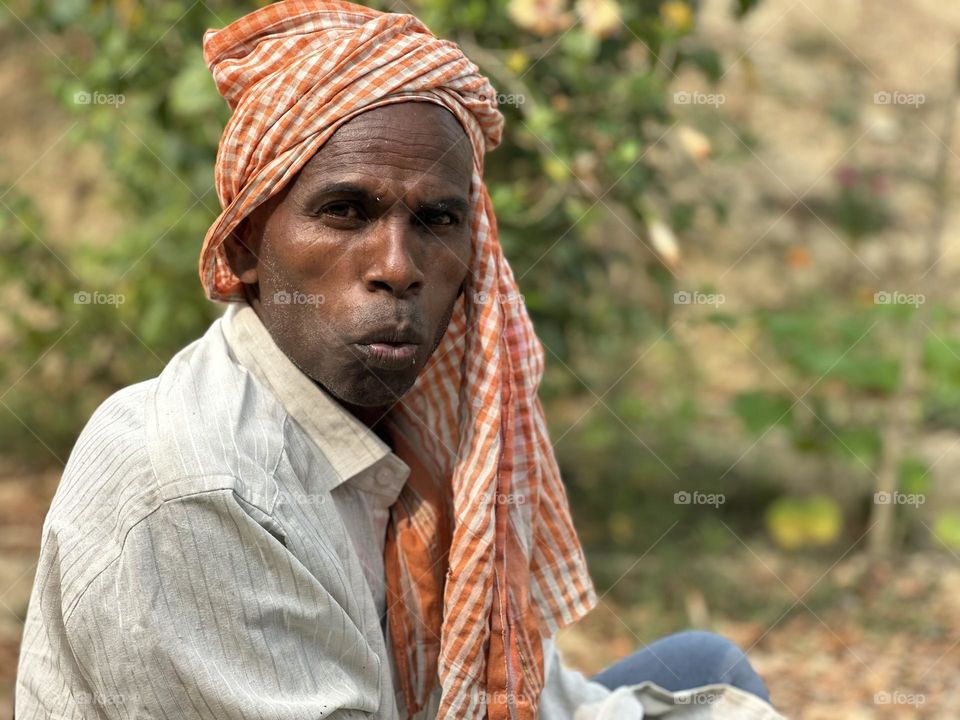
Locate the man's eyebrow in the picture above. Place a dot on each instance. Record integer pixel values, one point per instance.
(345, 187)
(441, 204)
(445, 204)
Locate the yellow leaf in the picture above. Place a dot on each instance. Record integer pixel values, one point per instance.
(556, 169)
(677, 15)
(824, 520)
(795, 522)
(517, 61)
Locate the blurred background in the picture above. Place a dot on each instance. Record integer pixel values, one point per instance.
(735, 226)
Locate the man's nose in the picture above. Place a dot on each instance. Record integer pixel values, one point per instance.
(393, 265)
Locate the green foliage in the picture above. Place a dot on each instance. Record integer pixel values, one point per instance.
(914, 475)
(941, 364)
(761, 411)
(947, 529)
(839, 355)
(158, 138)
(860, 208)
(744, 6)
(821, 339)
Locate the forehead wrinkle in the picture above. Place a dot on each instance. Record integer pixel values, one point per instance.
(386, 118)
(394, 165)
(407, 143)
(381, 141)
(380, 127)
(453, 156)
(455, 152)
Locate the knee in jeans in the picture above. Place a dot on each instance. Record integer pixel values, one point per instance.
(723, 656)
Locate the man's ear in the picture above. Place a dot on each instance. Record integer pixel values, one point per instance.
(241, 248)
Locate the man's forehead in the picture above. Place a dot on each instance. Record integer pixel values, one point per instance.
(422, 138)
(413, 111)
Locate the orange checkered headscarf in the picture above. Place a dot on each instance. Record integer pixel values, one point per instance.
(481, 558)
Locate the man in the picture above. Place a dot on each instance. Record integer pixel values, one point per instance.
(341, 501)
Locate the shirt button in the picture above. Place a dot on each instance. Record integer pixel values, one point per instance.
(383, 477)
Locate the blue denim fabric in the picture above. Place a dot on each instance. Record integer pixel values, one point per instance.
(686, 660)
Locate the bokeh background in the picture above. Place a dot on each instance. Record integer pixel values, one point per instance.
(735, 225)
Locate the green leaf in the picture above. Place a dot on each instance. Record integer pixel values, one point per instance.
(742, 7)
(580, 44)
(708, 61)
(946, 527)
(860, 443)
(914, 475)
(761, 410)
(193, 92)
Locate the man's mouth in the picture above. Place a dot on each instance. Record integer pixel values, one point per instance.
(391, 348)
(391, 356)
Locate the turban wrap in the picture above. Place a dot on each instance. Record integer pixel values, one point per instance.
(481, 557)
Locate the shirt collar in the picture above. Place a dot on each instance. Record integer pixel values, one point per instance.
(353, 450)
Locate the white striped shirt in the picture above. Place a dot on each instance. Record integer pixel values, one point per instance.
(215, 550)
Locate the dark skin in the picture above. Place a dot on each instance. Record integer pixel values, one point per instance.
(354, 268)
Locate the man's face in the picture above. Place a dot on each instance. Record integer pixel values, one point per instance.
(355, 267)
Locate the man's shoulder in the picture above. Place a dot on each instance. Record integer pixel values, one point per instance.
(202, 425)
(106, 488)
(205, 416)
(109, 457)
(209, 422)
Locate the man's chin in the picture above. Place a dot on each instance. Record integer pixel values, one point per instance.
(374, 390)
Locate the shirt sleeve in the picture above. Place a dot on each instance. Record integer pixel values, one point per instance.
(205, 614)
(569, 695)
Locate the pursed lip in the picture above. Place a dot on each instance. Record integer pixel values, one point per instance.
(403, 334)
(390, 347)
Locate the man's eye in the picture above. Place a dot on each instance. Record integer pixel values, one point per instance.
(441, 218)
(343, 210)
